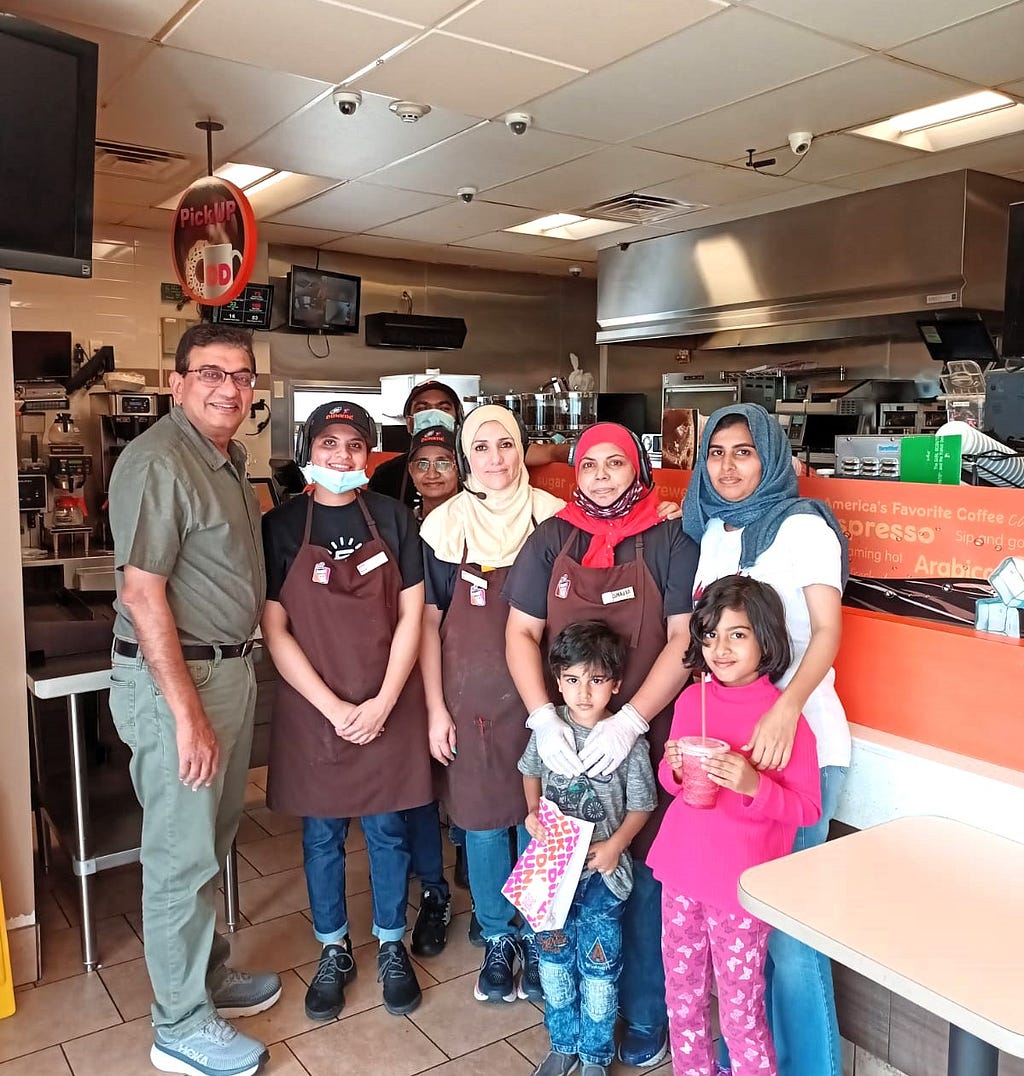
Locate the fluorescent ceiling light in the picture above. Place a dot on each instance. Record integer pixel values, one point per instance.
(960, 108)
(949, 124)
(568, 226)
(242, 175)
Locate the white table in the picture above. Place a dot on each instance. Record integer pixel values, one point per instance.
(929, 908)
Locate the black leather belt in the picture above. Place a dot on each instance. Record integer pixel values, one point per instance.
(189, 651)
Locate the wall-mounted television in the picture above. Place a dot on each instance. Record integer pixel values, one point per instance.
(41, 356)
(320, 301)
(47, 147)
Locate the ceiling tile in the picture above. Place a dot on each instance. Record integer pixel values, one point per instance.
(722, 59)
(841, 155)
(482, 157)
(516, 242)
(338, 41)
(268, 232)
(454, 221)
(587, 33)
(320, 141)
(464, 76)
(379, 246)
(159, 102)
(715, 186)
(879, 24)
(358, 207)
(577, 184)
(420, 12)
(847, 96)
(986, 50)
(158, 220)
(138, 192)
(140, 18)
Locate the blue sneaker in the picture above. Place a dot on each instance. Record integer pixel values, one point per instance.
(242, 994)
(213, 1049)
(643, 1047)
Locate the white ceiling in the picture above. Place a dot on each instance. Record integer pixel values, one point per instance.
(656, 96)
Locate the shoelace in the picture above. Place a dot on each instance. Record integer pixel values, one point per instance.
(394, 965)
(501, 952)
(332, 966)
(434, 907)
(234, 978)
(220, 1031)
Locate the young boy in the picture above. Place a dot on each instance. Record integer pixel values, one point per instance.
(580, 964)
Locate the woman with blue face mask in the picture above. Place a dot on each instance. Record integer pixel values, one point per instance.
(342, 622)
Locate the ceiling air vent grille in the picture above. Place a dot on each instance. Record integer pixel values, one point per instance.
(637, 208)
(138, 162)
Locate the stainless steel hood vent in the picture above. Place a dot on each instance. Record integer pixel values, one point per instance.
(864, 265)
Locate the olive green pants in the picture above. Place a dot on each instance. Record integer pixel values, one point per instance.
(186, 835)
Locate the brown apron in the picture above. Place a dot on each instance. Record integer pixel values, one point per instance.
(482, 787)
(344, 621)
(575, 593)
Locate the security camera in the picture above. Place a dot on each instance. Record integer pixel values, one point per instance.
(800, 142)
(466, 194)
(347, 101)
(519, 122)
(575, 270)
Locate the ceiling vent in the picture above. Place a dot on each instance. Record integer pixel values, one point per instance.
(137, 162)
(637, 208)
(414, 332)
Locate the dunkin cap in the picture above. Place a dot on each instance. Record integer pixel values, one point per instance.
(434, 386)
(433, 437)
(341, 411)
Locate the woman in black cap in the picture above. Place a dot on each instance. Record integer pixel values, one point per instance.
(342, 622)
(432, 468)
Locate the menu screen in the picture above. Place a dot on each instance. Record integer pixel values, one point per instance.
(250, 310)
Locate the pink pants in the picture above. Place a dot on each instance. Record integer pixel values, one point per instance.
(694, 937)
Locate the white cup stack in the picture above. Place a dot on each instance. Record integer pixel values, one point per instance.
(1004, 469)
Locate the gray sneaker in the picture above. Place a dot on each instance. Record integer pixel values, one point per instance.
(556, 1064)
(590, 1069)
(213, 1049)
(242, 994)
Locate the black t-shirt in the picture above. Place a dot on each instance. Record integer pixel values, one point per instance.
(342, 530)
(439, 577)
(387, 478)
(669, 554)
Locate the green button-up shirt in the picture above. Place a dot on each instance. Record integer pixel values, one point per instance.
(180, 509)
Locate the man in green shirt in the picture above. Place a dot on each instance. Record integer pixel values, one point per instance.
(190, 591)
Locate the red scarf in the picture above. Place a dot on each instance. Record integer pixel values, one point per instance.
(608, 533)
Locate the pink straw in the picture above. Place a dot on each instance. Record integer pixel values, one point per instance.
(703, 709)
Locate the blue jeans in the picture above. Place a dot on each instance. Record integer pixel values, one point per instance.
(579, 971)
(490, 861)
(800, 998)
(423, 826)
(642, 985)
(323, 848)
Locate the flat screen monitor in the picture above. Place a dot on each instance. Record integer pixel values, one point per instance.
(251, 310)
(41, 356)
(320, 301)
(47, 146)
(1013, 307)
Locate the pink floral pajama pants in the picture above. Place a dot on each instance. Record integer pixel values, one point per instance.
(696, 937)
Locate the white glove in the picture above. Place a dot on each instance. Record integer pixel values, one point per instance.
(556, 744)
(611, 741)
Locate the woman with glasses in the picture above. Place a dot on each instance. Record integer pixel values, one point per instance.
(432, 468)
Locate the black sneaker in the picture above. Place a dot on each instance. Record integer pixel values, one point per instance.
(461, 867)
(497, 980)
(476, 935)
(430, 934)
(402, 992)
(325, 997)
(529, 978)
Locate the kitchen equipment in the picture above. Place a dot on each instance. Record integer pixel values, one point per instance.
(541, 413)
(395, 388)
(693, 391)
(868, 457)
(577, 411)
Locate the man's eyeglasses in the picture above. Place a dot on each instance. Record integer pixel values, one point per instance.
(214, 375)
(441, 466)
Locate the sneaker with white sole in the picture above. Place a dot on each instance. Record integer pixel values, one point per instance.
(213, 1049)
(241, 994)
(497, 979)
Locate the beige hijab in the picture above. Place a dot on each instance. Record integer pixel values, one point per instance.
(493, 529)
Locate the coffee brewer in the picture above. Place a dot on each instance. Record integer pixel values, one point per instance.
(68, 467)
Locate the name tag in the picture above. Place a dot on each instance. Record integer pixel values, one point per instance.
(374, 562)
(475, 580)
(610, 597)
(321, 573)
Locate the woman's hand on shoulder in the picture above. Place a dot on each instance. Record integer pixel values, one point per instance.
(771, 742)
(670, 510)
(441, 735)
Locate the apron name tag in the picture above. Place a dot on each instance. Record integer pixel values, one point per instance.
(321, 573)
(374, 562)
(475, 580)
(562, 589)
(478, 596)
(610, 597)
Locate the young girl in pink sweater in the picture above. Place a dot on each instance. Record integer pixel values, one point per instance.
(738, 635)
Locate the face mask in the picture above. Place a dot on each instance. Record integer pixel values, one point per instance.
(423, 420)
(334, 481)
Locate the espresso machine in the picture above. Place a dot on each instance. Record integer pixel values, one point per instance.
(68, 466)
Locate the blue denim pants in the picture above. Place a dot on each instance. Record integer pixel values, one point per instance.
(490, 861)
(800, 998)
(579, 971)
(423, 825)
(642, 985)
(387, 844)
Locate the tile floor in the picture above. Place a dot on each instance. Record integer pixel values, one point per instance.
(98, 1025)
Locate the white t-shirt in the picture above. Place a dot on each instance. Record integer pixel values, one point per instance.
(805, 551)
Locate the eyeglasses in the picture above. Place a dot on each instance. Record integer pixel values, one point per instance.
(214, 375)
(441, 466)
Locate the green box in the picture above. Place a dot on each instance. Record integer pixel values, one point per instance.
(931, 459)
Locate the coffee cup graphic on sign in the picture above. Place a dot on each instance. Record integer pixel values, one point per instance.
(218, 268)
